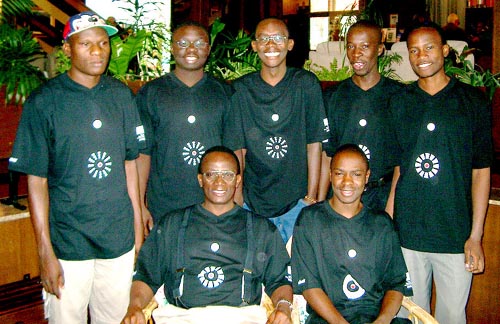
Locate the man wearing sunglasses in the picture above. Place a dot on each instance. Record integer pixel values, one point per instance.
(213, 257)
(185, 113)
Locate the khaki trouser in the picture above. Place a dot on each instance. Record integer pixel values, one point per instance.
(170, 314)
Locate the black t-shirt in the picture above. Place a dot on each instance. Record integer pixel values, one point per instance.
(79, 139)
(277, 124)
(441, 139)
(362, 117)
(354, 261)
(215, 249)
(180, 122)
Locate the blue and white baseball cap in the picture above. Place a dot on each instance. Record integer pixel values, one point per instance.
(84, 21)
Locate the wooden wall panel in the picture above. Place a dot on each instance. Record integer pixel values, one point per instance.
(17, 250)
(484, 302)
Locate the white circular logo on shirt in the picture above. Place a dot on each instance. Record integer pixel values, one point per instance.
(365, 150)
(97, 124)
(276, 147)
(351, 288)
(214, 247)
(99, 165)
(211, 277)
(427, 165)
(192, 152)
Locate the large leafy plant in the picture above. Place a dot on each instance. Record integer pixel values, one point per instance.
(18, 50)
(13, 8)
(334, 73)
(341, 72)
(231, 56)
(456, 65)
(143, 52)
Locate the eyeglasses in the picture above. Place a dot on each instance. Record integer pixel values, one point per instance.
(278, 39)
(183, 43)
(227, 176)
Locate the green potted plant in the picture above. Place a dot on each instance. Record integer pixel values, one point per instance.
(338, 73)
(18, 76)
(456, 65)
(142, 53)
(231, 56)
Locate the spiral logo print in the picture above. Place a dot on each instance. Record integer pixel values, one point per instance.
(276, 147)
(427, 165)
(211, 277)
(99, 164)
(192, 153)
(365, 150)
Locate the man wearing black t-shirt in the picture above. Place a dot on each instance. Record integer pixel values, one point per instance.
(282, 125)
(346, 257)
(184, 113)
(213, 254)
(357, 110)
(78, 140)
(442, 182)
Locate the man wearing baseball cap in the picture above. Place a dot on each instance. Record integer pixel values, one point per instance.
(77, 141)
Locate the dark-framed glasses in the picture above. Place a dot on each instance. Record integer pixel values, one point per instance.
(226, 175)
(184, 43)
(278, 39)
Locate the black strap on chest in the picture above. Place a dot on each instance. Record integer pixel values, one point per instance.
(246, 278)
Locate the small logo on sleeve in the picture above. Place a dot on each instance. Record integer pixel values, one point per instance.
(139, 131)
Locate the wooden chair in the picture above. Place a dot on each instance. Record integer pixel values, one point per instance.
(417, 314)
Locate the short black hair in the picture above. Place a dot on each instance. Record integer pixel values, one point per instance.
(353, 148)
(367, 24)
(429, 25)
(222, 149)
(191, 23)
(278, 20)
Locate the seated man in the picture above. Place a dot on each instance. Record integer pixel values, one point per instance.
(346, 257)
(213, 253)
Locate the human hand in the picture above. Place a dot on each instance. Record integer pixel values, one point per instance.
(309, 201)
(134, 316)
(281, 315)
(51, 275)
(474, 256)
(147, 220)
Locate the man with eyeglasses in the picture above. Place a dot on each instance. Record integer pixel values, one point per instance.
(282, 125)
(184, 113)
(213, 257)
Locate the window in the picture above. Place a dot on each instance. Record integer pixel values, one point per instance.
(333, 5)
(330, 20)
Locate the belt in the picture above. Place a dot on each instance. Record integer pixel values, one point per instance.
(385, 179)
